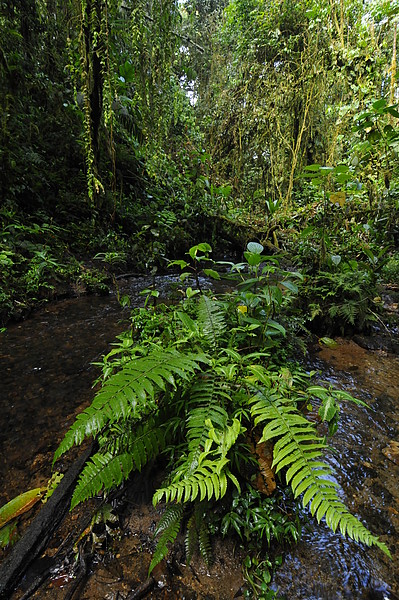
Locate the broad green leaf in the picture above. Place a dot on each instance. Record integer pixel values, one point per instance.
(392, 111)
(180, 263)
(335, 259)
(326, 341)
(290, 285)
(328, 409)
(341, 169)
(274, 325)
(187, 321)
(253, 259)
(8, 535)
(190, 292)
(203, 247)
(255, 248)
(19, 505)
(380, 104)
(212, 273)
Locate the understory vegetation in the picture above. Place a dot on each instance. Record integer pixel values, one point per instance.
(139, 136)
(210, 388)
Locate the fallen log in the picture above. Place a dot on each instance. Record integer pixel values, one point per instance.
(37, 536)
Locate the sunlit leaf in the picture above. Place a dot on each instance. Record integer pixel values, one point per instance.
(338, 198)
(379, 104)
(326, 341)
(8, 535)
(212, 273)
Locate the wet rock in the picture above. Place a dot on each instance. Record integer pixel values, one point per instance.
(377, 342)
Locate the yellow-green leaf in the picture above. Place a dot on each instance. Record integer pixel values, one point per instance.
(19, 505)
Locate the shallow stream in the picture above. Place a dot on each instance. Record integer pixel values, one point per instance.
(46, 378)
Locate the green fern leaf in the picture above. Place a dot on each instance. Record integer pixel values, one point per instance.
(169, 527)
(101, 472)
(298, 449)
(207, 481)
(131, 393)
(146, 443)
(211, 320)
(204, 542)
(191, 541)
(205, 400)
(117, 458)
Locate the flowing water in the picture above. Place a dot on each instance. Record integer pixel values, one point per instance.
(46, 378)
(324, 565)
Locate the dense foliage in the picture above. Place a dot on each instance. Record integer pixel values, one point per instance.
(206, 387)
(131, 129)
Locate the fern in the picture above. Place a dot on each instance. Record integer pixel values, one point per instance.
(211, 320)
(169, 527)
(192, 407)
(102, 471)
(131, 450)
(131, 393)
(197, 535)
(207, 481)
(202, 472)
(205, 402)
(143, 440)
(191, 541)
(147, 442)
(298, 450)
(204, 542)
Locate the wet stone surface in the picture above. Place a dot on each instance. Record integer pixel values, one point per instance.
(46, 379)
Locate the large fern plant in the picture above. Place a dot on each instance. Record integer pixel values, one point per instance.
(190, 382)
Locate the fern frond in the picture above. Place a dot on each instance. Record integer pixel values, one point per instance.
(211, 320)
(191, 541)
(101, 472)
(169, 527)
(349, 311)
(197, 534)
(204, 542)
(205, 403)
(131, 449)
(131, 393)
(147, 443)
(208, 481)
(297, 450)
